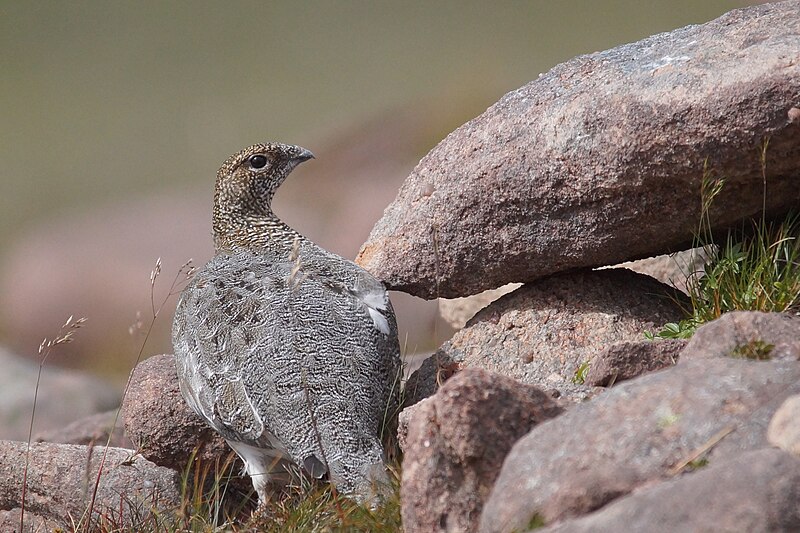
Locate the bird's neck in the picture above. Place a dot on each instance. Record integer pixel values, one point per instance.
(250, 224)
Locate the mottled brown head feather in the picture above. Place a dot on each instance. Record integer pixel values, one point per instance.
(246, 184)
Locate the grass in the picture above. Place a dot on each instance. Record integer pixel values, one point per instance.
(321, 508)
(755, 268)
(209, 504)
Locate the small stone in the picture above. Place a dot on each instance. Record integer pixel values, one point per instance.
(129, 487)
(747, 335)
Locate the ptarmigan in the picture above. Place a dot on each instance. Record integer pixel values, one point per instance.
(290, 352)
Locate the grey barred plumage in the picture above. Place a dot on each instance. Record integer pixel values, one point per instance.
(290, 352)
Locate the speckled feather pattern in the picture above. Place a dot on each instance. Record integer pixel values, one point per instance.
(277, 343)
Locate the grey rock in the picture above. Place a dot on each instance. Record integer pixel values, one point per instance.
(629, 359)
(64, 396)
(543, 332)
(756, 492)
(642, 431)
(600, 160)
(91, 430)
(456, 443)
(161, 425)
(784, 428)
(747, 334)
(61, 483)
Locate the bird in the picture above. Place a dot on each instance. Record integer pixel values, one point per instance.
(288, 351)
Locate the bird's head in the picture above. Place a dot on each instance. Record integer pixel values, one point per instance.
(246, 184)
(258, 171)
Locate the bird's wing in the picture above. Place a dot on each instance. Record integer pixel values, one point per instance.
(210, 338)
(345, 277)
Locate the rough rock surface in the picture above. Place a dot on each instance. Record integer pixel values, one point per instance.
(600, 160)
(456, 444)
(60, 486)
(543, 332)
(642, 431)
(33, 523)
(64, 396)
(92, 430)
(629, 359)
(747, 334)
(160, 424)
(758, 491)
(426, 380)
(784, 428)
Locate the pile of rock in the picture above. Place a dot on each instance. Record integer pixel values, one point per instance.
(599, 161)
(549, 408)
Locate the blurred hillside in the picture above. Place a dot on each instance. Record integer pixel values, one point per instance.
(115, 117)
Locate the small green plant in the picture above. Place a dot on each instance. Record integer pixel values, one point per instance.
(579, 378)
(755, 349)
(673, 330)
(756, 269)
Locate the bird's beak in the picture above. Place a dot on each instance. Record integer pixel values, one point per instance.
(304, 155)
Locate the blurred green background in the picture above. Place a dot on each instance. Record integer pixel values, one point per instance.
(106, 104)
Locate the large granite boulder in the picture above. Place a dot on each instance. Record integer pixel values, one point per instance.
(545, 332)
(758, 491)
(601, 160)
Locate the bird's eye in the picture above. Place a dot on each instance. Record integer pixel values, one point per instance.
(258, 161)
